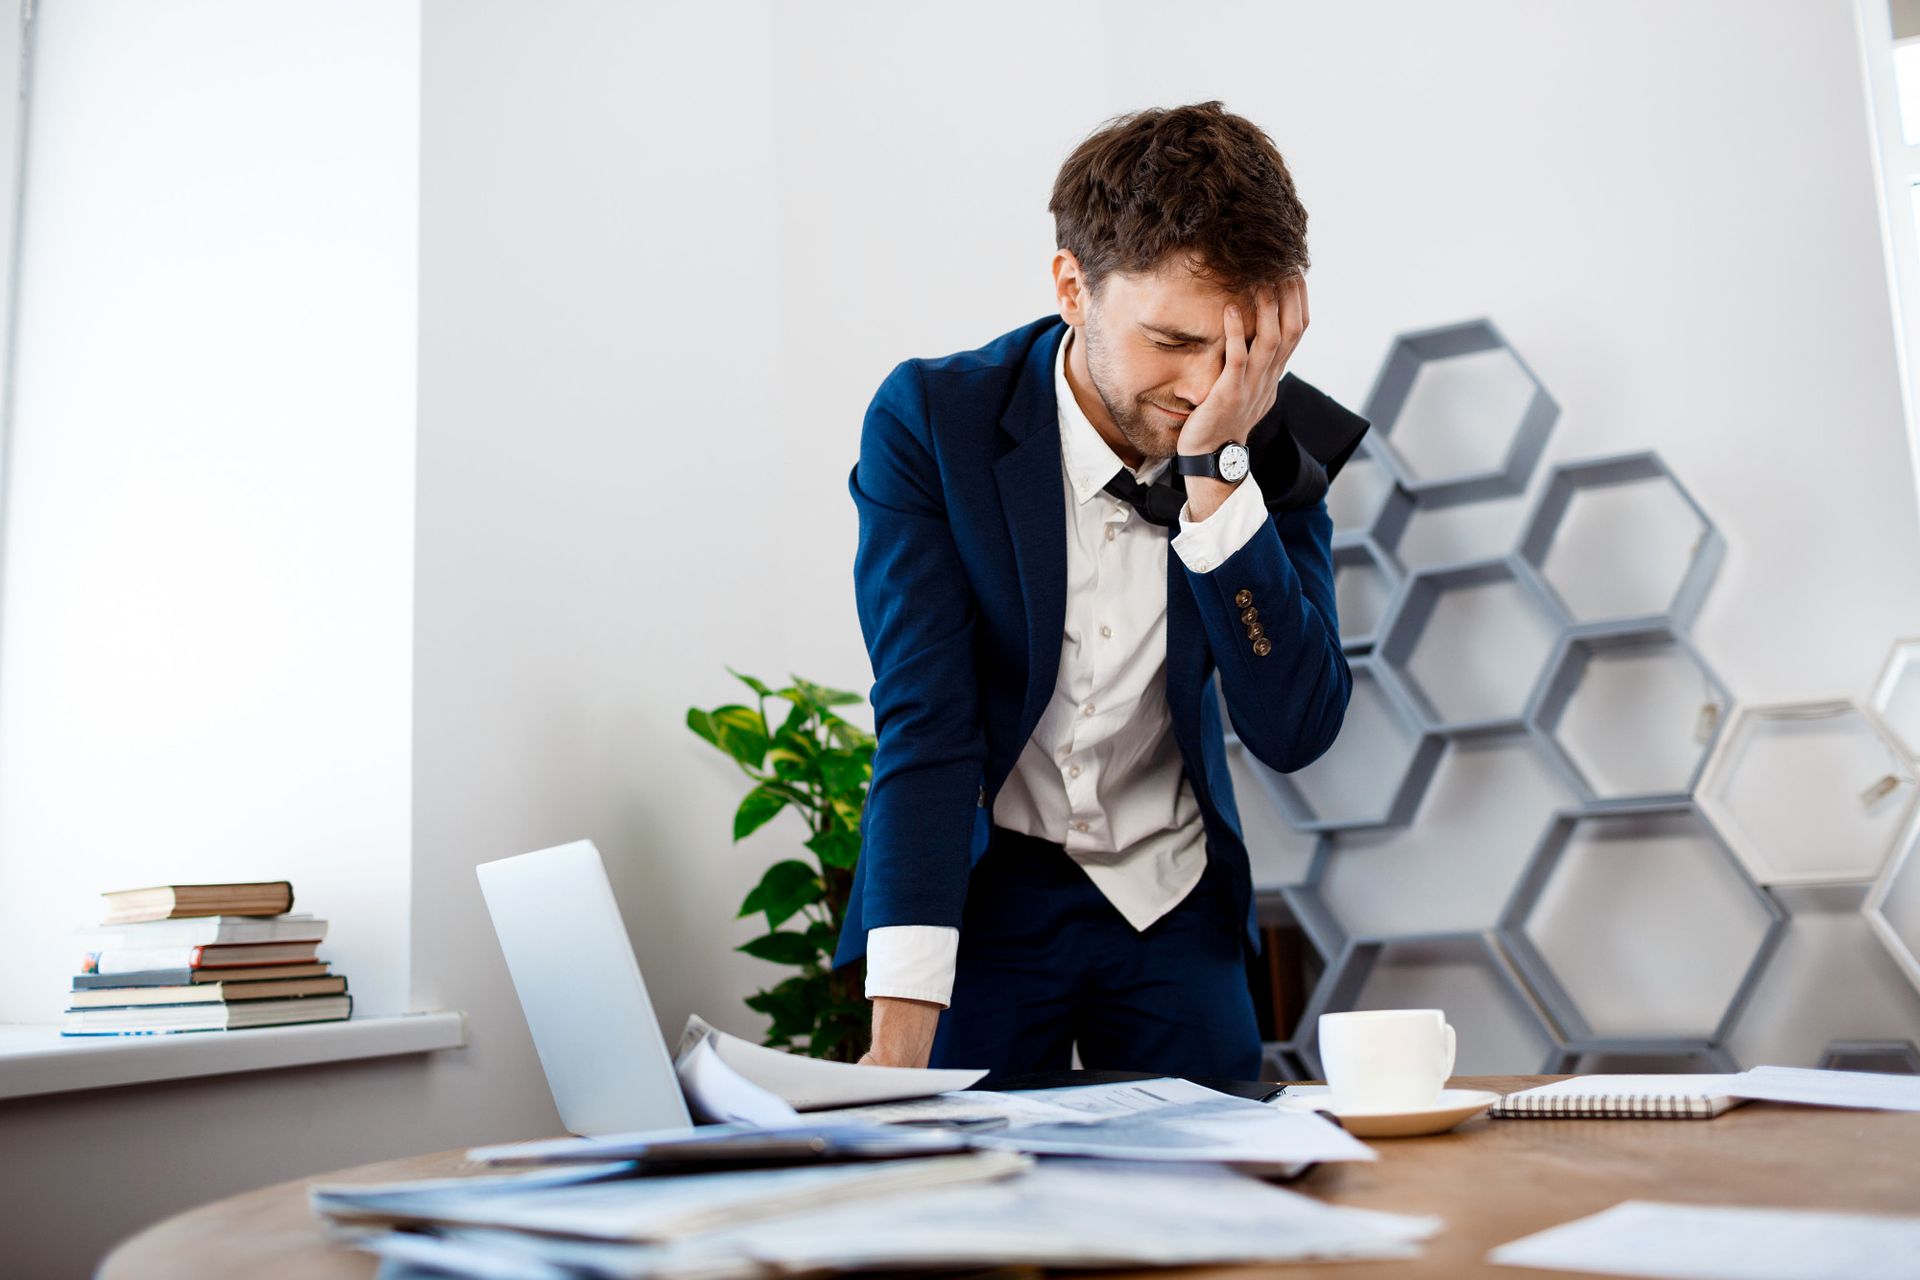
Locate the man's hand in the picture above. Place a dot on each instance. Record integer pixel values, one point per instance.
(1249, 382)
(902, 1032)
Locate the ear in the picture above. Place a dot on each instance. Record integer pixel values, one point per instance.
(1070, 288)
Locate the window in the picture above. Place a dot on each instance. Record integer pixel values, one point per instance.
(1890, 52)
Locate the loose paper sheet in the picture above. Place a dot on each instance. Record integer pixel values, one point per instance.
(1712, 1242)
(810, 1084)
(1831, 1088)
(656, 1208)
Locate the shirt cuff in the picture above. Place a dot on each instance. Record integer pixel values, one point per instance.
(1205, 545)
(912, 962)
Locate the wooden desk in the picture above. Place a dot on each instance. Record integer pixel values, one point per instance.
(1491, 1180)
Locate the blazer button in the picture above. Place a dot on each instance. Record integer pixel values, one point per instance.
(1249, 615)
(1262, 647)
(1255, 631)
(1242, 598)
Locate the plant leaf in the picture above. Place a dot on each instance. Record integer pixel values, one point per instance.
(783, 890)
(836, 848)
(782, 947)
(821, 696)
(757, 686)
(741, 732)
(758, 809)
(843, 771)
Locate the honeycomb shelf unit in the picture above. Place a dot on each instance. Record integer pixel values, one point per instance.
(1497, 1018)
(1896, 694)
(1830, 979)
(1895, 1057)
(1651, 1056)
(1620, 540)
(1629, 713)
(1365, 584)
(1468, 643)
(1615, 903)
(1809, 792)
(1376, 770)
(1458, 416)
(1892, 905)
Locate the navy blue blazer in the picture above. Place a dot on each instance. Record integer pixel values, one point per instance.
(961, 581)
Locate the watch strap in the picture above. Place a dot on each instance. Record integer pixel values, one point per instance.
(1198, 464)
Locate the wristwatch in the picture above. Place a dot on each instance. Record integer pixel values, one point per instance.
(1229, 462)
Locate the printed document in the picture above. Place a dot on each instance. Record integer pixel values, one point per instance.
(1715, 1242)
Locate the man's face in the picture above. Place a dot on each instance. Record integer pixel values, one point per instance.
(1155, 344)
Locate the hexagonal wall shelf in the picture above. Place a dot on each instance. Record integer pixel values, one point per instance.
(1892, 906)
(1365, 582)
(1640, 923)
(1325, 945)
(1459, 415)
(1355, 498)
(1629, 715)
(1808, 792)
(1500, 1028)
(1620, 539)
(1279, 853)
(1374, 773)
(1469, 642)
(1896, 695)
(1452, 868)
(1895, 1057)
(1829, 980)
(1637, 1057)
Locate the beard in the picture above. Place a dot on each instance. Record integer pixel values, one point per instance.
(1153, 438)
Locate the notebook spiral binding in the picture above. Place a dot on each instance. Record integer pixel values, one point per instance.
(1604, 1106)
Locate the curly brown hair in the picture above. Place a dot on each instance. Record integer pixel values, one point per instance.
(1196, 182)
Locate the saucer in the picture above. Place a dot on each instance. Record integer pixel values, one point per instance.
(1453, 1106)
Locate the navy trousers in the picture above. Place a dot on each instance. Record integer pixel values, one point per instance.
(1046, 963)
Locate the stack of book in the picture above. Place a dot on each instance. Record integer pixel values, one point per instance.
(203, 957)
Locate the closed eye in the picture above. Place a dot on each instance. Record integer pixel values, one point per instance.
(1168, 346)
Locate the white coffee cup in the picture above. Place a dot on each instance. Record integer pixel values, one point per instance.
(1386, 1059)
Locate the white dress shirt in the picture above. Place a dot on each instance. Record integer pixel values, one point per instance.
(1102, 774)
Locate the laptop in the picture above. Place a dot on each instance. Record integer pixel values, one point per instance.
(582, 993)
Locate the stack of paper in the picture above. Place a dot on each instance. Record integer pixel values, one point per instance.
(1158, 1175)
(1064, 1213)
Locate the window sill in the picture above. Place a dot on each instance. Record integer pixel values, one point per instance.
(36, 1059)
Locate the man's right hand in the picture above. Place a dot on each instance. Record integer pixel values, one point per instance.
(902, 1032)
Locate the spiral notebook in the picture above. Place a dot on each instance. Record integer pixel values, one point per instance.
(1669, 1097)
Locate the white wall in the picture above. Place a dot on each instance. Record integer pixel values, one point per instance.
(206, 654)
(666, 256)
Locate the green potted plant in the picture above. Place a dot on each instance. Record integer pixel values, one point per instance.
(818, 765)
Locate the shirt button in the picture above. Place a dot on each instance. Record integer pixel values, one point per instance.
(1106, 633)
(1087, 710)
(1080, 826)
(1073, 771)
(1111, 531)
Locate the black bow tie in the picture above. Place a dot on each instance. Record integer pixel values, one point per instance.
(1157, 503)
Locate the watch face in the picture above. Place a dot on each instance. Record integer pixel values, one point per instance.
(1233, 462)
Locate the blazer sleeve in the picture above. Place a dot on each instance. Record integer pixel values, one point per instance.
(917, 616)
(1287, 696)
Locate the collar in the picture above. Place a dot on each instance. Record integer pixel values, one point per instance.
(1090, 460)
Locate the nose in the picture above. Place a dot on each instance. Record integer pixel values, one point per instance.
(1197, 377)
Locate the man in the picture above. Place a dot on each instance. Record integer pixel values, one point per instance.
(1051, 851)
